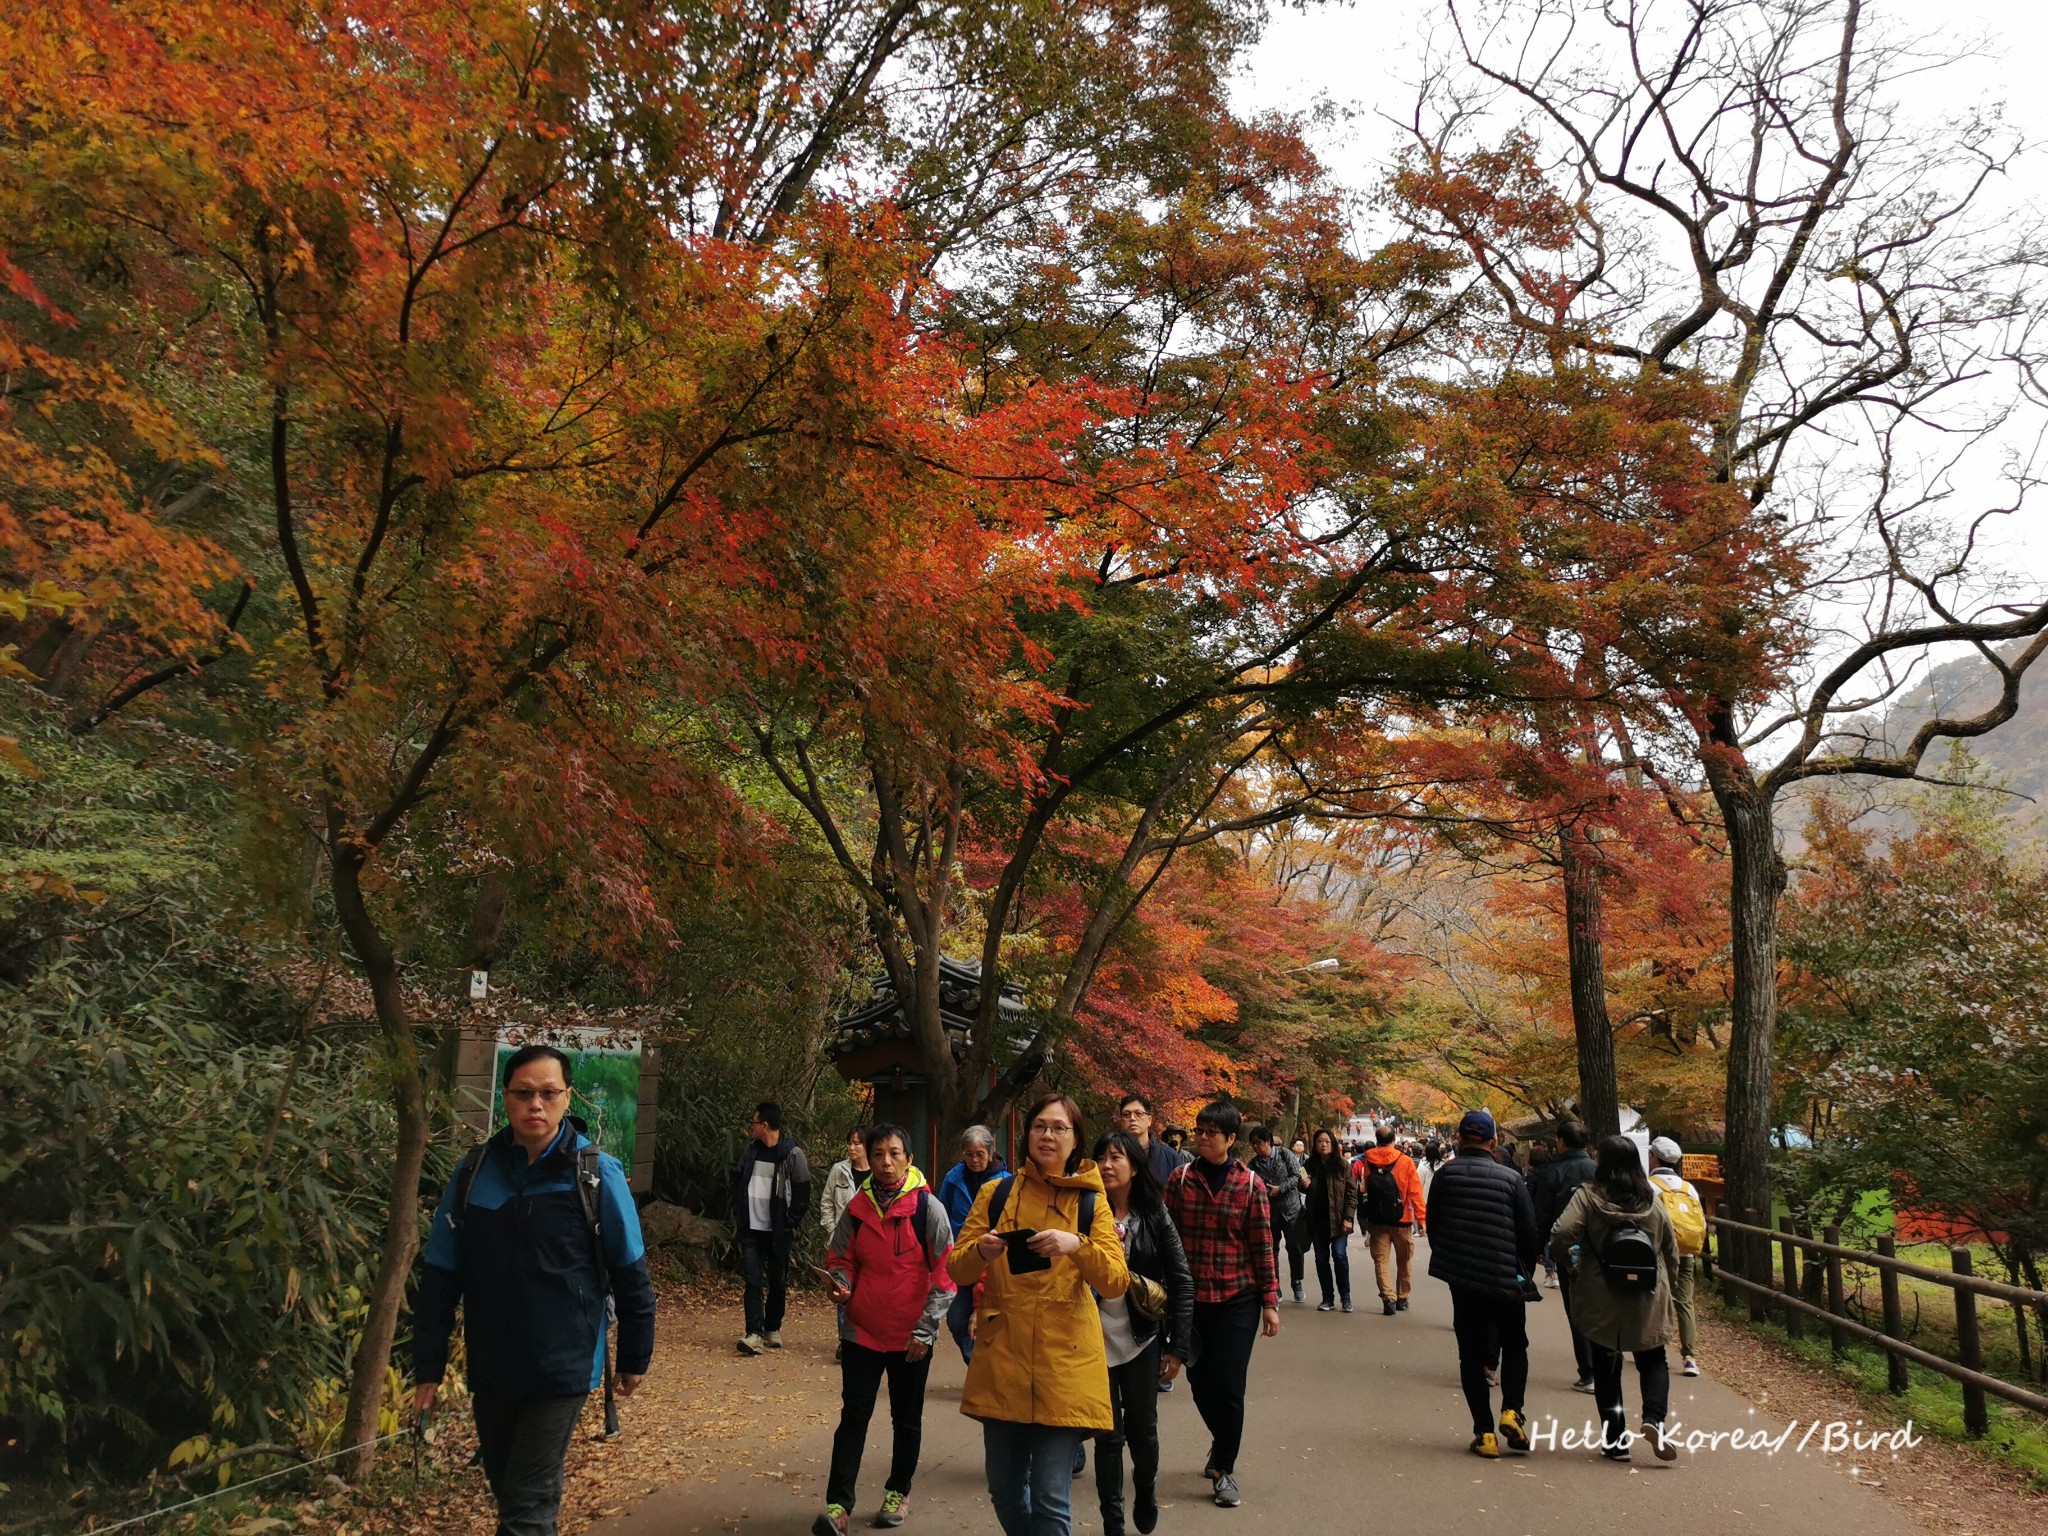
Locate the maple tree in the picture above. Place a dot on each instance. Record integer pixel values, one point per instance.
(1733, 194)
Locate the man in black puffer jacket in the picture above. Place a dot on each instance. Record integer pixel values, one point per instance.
(1551, 1188)
(1483, 1244)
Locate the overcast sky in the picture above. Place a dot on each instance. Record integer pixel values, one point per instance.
(1364, 56)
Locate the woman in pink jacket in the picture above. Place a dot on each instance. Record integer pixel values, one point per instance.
(888, 1266)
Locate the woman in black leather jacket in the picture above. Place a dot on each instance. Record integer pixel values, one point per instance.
(1142, 1352)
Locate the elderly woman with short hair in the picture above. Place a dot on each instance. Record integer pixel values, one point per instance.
(978, 1165)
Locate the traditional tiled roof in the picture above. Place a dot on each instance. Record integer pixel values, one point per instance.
(881, 1016)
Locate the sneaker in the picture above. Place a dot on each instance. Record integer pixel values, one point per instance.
(893, 1506)
(1300, 1296)
(1492, 1377)
(752, 1344)
(830, 1523)
(1614, 1452)
(1514, 1433)
(1692, 1366)
(1484, 1444)
(1386, 1308)
(1226, 1495)
(1665, 1447)
(1583, 1384)
(1550, 1282)
(1401, 1305)
(1166, 1386)
(775, 1338)
(1326, 1306)
(1347, 1303)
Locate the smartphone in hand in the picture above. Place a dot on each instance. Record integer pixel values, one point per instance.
(1022, 1260)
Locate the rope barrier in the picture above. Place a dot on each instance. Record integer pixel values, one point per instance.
(207, 1498)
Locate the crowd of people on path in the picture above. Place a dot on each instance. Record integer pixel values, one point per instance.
(1078, 1286)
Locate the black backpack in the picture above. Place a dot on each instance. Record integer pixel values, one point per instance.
(1084, 1224)
(1628, 1259)
(589, 1181)
(1384, 1206)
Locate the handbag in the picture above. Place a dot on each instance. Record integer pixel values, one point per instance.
(1147, 1297)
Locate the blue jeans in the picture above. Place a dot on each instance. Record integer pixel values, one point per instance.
(1031, 1476)
(958, 1316)
(1334, 1253)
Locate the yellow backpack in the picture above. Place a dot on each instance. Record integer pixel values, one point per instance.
(1688, 1217)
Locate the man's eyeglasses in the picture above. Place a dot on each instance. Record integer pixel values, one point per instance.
(1208, 1130)
(545, 1095)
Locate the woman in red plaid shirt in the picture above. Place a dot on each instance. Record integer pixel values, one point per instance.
(1225, 1226)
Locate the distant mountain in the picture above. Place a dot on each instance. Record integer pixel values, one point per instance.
(2016, 753)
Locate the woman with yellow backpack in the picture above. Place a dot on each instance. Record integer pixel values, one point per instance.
(1689, 1225)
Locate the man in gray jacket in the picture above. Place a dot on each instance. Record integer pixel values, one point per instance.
(1551, 1187)
(1285, 1179)
(1483, 1244)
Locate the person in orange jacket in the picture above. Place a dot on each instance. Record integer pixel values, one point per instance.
(1390, 1200)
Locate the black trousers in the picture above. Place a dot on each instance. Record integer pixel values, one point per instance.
(522, 1442)
(1653, 1375)
(1224, 1334)
(1332, 1253)
(860, 1378)
(1582, 1352)
(1134, 1400)
(766, 1258)
(1490, 1327)
(1294, 1233)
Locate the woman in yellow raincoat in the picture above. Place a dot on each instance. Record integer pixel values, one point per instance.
(1045, 1245)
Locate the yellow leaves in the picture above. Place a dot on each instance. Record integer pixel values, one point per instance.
(17, 603)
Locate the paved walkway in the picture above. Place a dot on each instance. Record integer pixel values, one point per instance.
(1357, 1426)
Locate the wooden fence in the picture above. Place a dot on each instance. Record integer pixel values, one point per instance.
(1741, 1260)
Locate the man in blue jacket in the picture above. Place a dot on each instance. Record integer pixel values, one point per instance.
(512, 1243)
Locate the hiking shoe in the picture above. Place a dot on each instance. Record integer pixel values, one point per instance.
(1401, 1305)
(1514, 1431)
(893, 1506)
(1226, 1495)
(774, 1338)
(1347, 1303)
(1665, 1447)
(752, 1344)
(830, 1523)
(1484, 1444)
(1692, 1366)
(1583, 1384)
(1386, 1307)
(1326, 1306)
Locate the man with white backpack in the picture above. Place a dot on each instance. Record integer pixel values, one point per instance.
(1689, 1225)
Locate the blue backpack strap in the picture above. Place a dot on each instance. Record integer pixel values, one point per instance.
(464, 1177)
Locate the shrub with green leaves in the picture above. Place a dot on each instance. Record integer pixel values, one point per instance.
(162, 1273)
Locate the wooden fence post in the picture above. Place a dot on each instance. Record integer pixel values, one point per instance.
(1756, 1267)
(1794, 1323)
(1897, 1373)
(1969, 1346)
(1837, 1339)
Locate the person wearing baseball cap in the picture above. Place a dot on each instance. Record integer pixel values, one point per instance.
(1483, 1244)
(1688, 1215)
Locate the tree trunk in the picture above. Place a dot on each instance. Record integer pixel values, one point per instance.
(1599, 1095)
(1756, 880)
(409, 1103)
